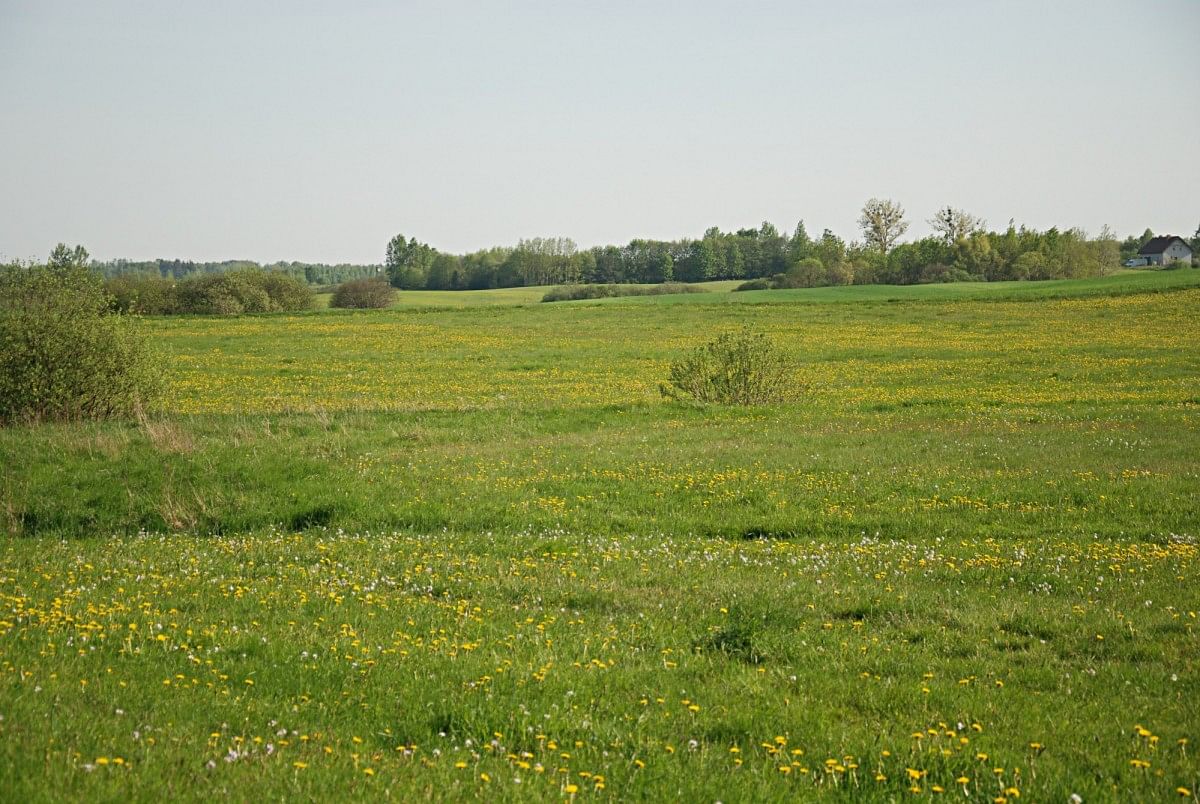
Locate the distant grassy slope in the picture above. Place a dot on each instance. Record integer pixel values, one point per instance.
(502, 296)
(1121, 283)
(456, 298)
(1124, 281)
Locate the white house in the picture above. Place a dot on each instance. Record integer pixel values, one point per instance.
(1166, 250)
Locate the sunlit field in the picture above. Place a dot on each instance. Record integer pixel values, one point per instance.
(451, 553)
(568, 355)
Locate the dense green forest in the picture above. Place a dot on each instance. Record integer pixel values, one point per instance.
(961, 249)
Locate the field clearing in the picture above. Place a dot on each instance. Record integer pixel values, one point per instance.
(558, 355)
(458, 298)
(442, 553)
(1122, 281)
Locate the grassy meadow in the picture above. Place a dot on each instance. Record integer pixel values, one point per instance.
(462, 548)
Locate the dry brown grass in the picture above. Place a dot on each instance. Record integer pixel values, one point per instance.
(167, 437)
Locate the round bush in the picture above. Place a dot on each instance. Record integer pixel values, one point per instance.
(64, 354)
(363, 294)
(738, 368)
(755, 284)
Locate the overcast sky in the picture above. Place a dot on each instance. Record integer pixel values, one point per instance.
(316, 131)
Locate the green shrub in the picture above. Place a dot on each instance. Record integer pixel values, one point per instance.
(144, 294)
(64, 353)
(740, 368)
(364, 294)
(937, 272)
(287, 293)
(806, 273)
(755, 284)
(237, 292)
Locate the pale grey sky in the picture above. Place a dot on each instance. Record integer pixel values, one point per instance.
(316, 131)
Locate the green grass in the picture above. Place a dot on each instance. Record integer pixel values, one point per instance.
(1121, 282)
(454, 299)
(663, 664)
(437, 536)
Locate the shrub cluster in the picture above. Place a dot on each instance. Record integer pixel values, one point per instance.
(810, 272)
(577, 292)
(232, 293)
(64, 353)
(373, 293)
(737, 368)
(756, 284)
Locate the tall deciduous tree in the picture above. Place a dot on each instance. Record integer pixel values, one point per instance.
(800, 245)
(882, 223)
(408, 262)
(63, 257)
(951, 224)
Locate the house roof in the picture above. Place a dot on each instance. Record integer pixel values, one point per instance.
(1157, 245)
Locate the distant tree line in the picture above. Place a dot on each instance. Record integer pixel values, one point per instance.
(961, 248)
(310, 273)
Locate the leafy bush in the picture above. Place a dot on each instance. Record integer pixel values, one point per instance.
(739, 368)
(806, 273)
(287, 293)
(364, 294)
(143, 293)
(937, 273)
(755, 284)
(64, 353)
(231, 293)
(577, 292)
